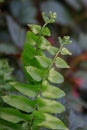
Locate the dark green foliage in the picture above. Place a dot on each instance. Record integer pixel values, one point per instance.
(35, 105)
(5, 76)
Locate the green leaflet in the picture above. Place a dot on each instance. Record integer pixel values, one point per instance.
(39, 53)
(20, 102)
(49, 106)
(27, 54)
(60, 63)
(35, 73)
(13, 115)
(50, 91)
(5, 76)
(29, 50)
(5, 125)
(31, 38)
(43, 60)
(52, 50)
(44, 44)
(55, 77)
(26, 89)
(35, 28)
(45, 17)
(46, 31)
(65, 51)
(48, 121)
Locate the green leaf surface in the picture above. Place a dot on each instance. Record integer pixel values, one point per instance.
(29, 50)
(49, 106)
(52, 50)
(65, 51)
(44, 61)
(48, 121)
(35, 28)
(31, 38)
(40, 53)
(27, 54)
(46, 31)
(5, 125)
(43, 42)
(20, 102)
(50, 91)
(55, 77)
(13, 115)
(26, 89)
(60, 63)
(45, 17)
(35, 128)
(35, 73)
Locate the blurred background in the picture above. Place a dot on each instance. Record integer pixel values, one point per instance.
(71, 20)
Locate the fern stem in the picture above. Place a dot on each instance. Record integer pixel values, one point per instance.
(39, 36)
(56, 56)
(53, 61)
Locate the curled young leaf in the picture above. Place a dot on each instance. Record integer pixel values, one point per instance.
(64, 40)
